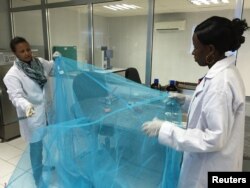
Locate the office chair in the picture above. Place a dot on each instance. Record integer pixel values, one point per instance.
(131, 73)
(91, 85)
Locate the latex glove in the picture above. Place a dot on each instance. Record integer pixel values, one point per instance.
(177, 96)
(56, 54)
(152, 128)
(30, 111)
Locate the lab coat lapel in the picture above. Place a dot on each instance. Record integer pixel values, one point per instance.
(218, 67)
(199, 87)
(198, 90)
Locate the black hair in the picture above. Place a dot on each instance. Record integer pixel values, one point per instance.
(224, 34)
(15, 41)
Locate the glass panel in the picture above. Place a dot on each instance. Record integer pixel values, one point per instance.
(4, 26)
(172, 59)
(69, 32)
(243, 53)
(22, 3)
(244, 67)
(28, 24)
(123, 32)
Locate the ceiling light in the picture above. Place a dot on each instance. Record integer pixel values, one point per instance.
(116, 7)
(215, 1)
(208, 2)
(121, 7)
(109, 8)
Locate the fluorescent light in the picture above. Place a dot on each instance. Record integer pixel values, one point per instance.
(196, 2)
(215, 1)
(115, 7)
(134, 6)
(207, 2)
(121, 7)
(109, 8)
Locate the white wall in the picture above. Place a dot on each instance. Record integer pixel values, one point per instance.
(101, 30)
(128, 37)
(171, 54)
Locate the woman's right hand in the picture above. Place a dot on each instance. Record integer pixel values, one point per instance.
(178, 97)
(30, 110)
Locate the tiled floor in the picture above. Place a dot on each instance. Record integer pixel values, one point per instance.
(10, 153)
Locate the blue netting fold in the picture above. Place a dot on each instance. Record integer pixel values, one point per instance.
(94, 136)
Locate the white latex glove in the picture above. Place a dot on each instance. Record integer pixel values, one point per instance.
(30, 111)
(56, 54)
(177, 96)
(152, 128)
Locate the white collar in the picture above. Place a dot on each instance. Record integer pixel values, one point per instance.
(220, 66)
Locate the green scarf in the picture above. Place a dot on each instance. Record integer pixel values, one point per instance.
(34, 70)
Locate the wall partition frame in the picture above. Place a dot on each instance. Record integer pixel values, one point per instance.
(159, 55)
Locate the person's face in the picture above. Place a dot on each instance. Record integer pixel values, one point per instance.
(200, 51)
(23, 52)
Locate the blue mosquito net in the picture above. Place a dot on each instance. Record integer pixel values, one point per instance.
(94, 137)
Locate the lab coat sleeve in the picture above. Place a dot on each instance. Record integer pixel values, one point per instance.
(212, 138)
(16, 93)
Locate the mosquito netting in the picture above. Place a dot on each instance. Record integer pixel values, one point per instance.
(94, 137)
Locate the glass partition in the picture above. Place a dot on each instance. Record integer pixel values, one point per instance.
(244, 67)
(69, 31)
(173, 25)
(121, 28)
(22, 3)
(28, 24)
(243, 54)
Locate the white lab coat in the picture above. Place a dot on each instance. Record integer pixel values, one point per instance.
(214, 138)
(23, 91)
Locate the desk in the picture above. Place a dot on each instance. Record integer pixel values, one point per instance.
(120, 71)
(115, 70)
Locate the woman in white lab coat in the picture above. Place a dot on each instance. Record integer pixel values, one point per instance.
(214, 137)
(25, 82)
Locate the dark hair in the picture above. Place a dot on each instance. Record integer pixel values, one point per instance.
(224, 34)
(15, 41)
